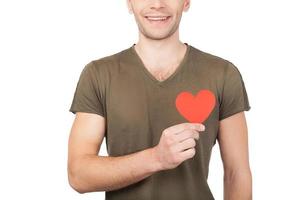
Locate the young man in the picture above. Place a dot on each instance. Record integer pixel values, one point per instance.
(161, 104)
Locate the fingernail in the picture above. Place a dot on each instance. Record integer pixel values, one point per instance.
(202, 127)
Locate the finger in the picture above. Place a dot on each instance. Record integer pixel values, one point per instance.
(183, 126)
(186, 144)
(187, 134)
(189, 153)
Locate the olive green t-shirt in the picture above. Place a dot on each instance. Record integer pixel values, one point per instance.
(138, 107)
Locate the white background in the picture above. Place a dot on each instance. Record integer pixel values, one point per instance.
(45, 44)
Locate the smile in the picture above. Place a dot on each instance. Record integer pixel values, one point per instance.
(158, 19)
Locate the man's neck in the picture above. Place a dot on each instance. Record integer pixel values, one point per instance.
(160, 54)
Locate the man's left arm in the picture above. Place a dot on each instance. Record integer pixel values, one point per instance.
(233, 143)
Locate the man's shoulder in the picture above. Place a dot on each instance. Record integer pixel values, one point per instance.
(219, 66)
(108, 60)
(209, 58)
(101, 68)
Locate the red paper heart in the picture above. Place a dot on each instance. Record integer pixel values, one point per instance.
(195, 109)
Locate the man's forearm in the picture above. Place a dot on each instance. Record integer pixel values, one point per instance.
(105, 173)
(238, 185)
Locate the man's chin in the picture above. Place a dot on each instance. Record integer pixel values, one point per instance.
(156, 35)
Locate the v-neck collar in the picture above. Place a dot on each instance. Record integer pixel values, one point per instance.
(179, 68)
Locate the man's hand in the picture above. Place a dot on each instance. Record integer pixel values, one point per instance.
(89, 172)
(177, 144)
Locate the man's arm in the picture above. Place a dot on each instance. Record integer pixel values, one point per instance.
(88, 172)
(233, 142)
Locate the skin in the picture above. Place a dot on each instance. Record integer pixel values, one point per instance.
(233, 142)
(90, 172)
(159, 42)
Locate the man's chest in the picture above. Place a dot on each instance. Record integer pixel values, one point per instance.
(139, 109)
(131, 101)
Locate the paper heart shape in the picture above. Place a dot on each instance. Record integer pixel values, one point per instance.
(195, 109)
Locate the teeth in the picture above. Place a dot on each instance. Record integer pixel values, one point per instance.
(157, 18)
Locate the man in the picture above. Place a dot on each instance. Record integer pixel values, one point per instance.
(161, 104)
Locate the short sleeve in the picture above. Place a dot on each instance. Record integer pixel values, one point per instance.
(87, 96)
(234, 96)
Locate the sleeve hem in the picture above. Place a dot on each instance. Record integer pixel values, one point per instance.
(234, 112)
(87, 111)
